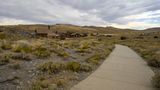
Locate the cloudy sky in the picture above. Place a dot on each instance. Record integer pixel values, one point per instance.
(137, 14)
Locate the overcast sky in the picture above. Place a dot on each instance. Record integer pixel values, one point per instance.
(137, 14)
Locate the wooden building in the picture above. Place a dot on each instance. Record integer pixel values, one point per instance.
(42, 33)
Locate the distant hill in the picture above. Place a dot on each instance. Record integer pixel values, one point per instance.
(157, 29)
(75, 28)
(56, 27)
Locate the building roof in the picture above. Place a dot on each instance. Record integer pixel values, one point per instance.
(52, 34)
(43, 31)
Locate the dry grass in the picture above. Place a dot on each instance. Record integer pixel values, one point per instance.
(51, 67)
(3, 35)
(22, 46)
(149, 48)
(5, 45)
(63, 51)
(52, 83)
(4, 59)
(156, 80)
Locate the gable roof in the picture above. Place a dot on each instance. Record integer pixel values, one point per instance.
(43, 31)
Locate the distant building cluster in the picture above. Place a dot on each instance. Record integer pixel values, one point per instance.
(56, 34)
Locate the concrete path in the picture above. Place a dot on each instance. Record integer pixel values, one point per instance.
(122, 70)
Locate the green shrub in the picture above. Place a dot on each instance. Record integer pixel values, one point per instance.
(59, 50)
(59, 81)
(2, 35)
(1, 50)
(81, 50)
(146, 54)
(155, 36)
(83, 46)
(85, 67)
(49, 84)
(51, 67)
(73, 66)
(43, 85)
(22, 46)
(52, 87)
(36, 85)
(154, 63)
(42, 51)
(4, 59)
(94, 59)
(105, 53)
(61, 53)
(6, 45)
(123, 38)
(55, 67)
(156, 80)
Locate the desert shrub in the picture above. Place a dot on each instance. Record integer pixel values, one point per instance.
(73, 66)
(49, 84)
(86, 67)
(61, 52)
(153, 62)
(94, 59)
(99, 39)
(4, 59)
(36, 85)
(106, 52)
(1, 50)
(81, 50)
(152, 58)
(146, 54)
(22, 46)
(2, 35)
(52, 87)
(6, 45)
(43, 85)
(70, 43)
(123, 38)
(21, 56)
(156, 80)
(55, 67)
(62, 38)
(84, 45)
(155, 36)
(59, 81)
(41, 51)
(51, 67)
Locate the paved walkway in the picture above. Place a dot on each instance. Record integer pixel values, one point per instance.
(123, 70)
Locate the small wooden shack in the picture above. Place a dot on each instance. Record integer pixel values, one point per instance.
(53, 35)
(41, 33)
(75, 35)
(108, 35)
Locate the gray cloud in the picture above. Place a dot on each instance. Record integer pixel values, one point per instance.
(75, 11)
(113, 10)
